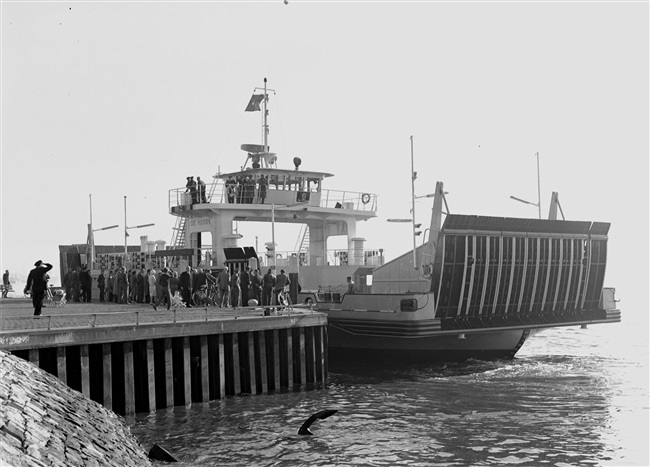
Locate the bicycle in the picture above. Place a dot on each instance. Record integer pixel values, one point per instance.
(201, 297)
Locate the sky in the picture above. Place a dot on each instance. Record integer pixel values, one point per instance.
(115, 99)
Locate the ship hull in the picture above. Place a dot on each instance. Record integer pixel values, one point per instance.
(345, 344)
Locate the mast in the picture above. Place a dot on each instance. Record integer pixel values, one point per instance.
(413, 177)
(539, 190)
(266, 125)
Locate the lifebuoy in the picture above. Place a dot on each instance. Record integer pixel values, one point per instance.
(365, 198)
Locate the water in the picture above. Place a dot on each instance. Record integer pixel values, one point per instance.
(571, 397)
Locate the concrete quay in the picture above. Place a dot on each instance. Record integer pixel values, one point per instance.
(44, 422)
(131, 358)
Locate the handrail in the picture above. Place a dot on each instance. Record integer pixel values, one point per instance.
(358, 201)
(194, 315)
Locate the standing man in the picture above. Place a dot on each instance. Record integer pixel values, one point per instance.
(256, 286)
(37, 283)
(200, 281)
(76, 284)
(101, 284)
(245, 281)
(281, 281)
(231, 188)
(268, 284)
(86, 284)
(6, 283)
(235, 290)
(351, 287)
(264, 184)
(193, 193)
(142, 280)
(163, 283)
(151, 279)
(223, 284)
(201, 187)
(67, 285)
(122, 286)
(185, 284)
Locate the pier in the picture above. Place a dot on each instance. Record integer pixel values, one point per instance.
(130, 358)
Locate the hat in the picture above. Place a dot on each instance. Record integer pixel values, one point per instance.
(38, 263)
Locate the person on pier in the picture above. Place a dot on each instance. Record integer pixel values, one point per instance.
(200, 281)
(164, 291)
(37, 284)
(5, 283)
(86, 284)
(122, 286)
(110, 280)
(151, 280)
(223, 286)
(281, 282)
(268, 284)
(245, 281)
(101, 285)
(235, 289)
(256, 286)
(142, 286)
(185, 284)
(76, 284)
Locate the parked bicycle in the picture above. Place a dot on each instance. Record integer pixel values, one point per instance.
(201, 297)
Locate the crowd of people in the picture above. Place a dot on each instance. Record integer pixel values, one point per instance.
(234, 288)
(246, 190)
(243, 190)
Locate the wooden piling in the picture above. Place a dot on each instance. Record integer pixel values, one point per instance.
(187, 371)
(250, 337)
(107, 391)
(34, 357)
(84, 360)
(222, 368)
(301, 357)
(205, 370)
(61, 364)
(135, 370)
(129, 379)
(235, 365)
(169, 373)
(289, 357)
(262, 355)
(276, 360)
(151, 376)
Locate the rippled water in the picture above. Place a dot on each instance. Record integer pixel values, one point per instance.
(571, 397)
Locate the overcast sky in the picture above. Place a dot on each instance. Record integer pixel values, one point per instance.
(122, 99)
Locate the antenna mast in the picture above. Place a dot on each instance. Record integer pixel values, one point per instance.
(266, 125)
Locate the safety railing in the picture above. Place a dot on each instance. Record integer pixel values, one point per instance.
(12, 324)
(217, 193)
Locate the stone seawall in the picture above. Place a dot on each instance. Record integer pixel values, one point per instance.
(45, 423)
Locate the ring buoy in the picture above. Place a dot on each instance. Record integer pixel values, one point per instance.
(365, 198)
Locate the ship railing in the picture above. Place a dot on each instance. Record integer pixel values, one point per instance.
(334, 257)
(333, 199)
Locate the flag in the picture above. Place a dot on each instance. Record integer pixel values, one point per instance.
(254, 103)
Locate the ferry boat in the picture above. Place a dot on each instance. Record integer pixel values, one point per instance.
(477, 287)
